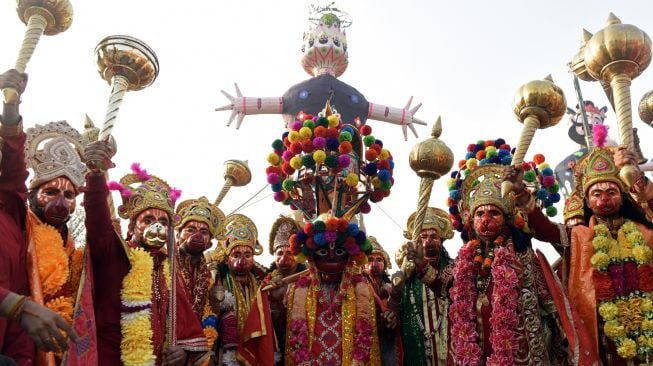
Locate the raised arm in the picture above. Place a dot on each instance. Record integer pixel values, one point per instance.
(13, 171)
(405, 117)
(241, 106)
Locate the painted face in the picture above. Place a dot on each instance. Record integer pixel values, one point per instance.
(375, 264)
(488, 222)
(194, 237)
(604, 199)
(431, 243)
(285, 260)
(57, 199)
(330, 260)
(241, 260)
(151, 228)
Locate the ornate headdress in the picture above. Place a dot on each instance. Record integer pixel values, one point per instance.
(599, 166)
(55, 150)
(378, 249)
(435, 219)
(573, 207)
(153, 192)
(241, 230)
(282, 228)
(203, 211)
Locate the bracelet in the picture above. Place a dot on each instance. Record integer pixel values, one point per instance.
(18, 308)
(429, 275)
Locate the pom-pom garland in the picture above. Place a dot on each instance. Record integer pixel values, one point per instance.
(322, 232)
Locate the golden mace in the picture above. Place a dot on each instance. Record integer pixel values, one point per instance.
(430, 160)
(236, 174)
(538, 104)
(126, 63)
(617, 54)
(48, 17)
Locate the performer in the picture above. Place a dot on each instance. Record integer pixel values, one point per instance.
(200, 222)
(284, 265)
(610, 264)
(502, 312)
(134, 292)
(236, 283)
(422, 301)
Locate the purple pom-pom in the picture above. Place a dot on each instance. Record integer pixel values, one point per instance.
(319, 143)
(332, 143)
(279, 196)
(343, 161)
(273, 178)
(301, 236)
(370, 169)
(548, 181)
(295, 126)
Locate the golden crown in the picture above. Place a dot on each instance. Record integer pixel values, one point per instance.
(435, 219)
(202, 210)
(241, 230)
(573, 206)
(280, 232)
(378, 249)
(599, 166)
(153, 192)
(482, 186)
(55, 150)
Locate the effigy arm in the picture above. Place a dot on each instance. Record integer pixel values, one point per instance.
(241, 106)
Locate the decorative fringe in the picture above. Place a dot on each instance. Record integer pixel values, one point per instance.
(142, 173)
(600, 135)
(175, 193)
(116, 186)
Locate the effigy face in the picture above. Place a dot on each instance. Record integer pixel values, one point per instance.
(195, 237)
(151, 228)
(56, 199)
(325, 47)
(284, 259)
(330, 260)
(241, 260)
(489, 221)
(431, 243)
(375, 264)
(604, 199)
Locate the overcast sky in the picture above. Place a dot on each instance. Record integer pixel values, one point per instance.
(463, 60)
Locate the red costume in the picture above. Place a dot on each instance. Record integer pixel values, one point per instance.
(111, 265)
(14, 342)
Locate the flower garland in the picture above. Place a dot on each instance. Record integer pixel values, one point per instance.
(463, 316)
(136, 345)
(623, 281)
(54, 268)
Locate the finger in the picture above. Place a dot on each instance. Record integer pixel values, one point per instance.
(234, 113)
(418, 121)
(48, 345)
(227, 107)
(229, 96)
(61, 323)
(55, 333)
(37, 340)
(412, 128)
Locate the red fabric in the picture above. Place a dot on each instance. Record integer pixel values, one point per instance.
(14, 343)
(257, 347)
(111, 265)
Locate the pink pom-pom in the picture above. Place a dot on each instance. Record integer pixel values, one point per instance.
(296, 125)
(116, 186)
(319, 143)
(175, 194)
(287, 155)
(548, 181)
(343, 161)
(142, 173)
(273, 178)
(280, 196)
(600, 134)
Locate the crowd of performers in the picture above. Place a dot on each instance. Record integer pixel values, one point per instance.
(328, 298)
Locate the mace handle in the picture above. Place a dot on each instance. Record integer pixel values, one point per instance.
(620, 84)
(119, 85)
(531, 124)
(425, 188)
(223, 192)
(35, 28)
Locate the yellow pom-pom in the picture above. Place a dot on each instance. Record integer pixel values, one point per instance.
(351, 180)
(490, 148)
(608, 311)
(614, 329)
(600, 260)
(601, 243)
(305, 133)
(300, 258)
(333, 120)
(319, 156)
(296, 162)
(274, 159)
(471, 163)
(294, 136)
(376, 182)
(384, 155)
(543, 166)
(627, 349)
(642, 254)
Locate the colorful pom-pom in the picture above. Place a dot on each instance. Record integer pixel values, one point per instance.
(296, 162)
(332, 144)
(310, 124)
(288, 184)
(366, 130)
(384, 175)
(331, 161)
(323, 121)
(548, 181)
(307, 146)
(274, 159)
(344, 161)
(384, 154)
(366, 208)
(471, 163)
(551, 211)
(320, 131)
(294, 136)
(538, 159)
(344, 136)
(333, 120)
(351, 180)
(319, 156)
(319, 143)
(307, 161)
(345, 147)
(296, 125)
(305, 133)
(368, 140)
(273, 178)
(280, 196)
(277, 144)
(296, 147)
(371, 154)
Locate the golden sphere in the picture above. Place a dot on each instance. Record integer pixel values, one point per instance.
(617, 49)
(646, 107)
(578, 62)
(431, 158)
(541, 98)
(57, 13)
(129, 57)
(238, 172)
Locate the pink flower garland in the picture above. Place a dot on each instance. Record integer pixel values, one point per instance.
(363, 338)
(462, 313)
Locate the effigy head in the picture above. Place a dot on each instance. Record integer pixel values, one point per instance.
(595, 116)
(324, 45)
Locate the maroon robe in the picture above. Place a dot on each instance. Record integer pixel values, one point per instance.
(110, 266)
(14, 342)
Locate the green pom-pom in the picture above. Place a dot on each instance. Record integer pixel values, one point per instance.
(367, 246)
(307, 161)
(277, 144)
(369, 140)
(288, 184)
(555, 187)
(323, 121)
(551, 211)
(309, 123)
(530, 176)
(386, 184)
(490, 153)
(344, 136)
(318, 226)
(331, 161)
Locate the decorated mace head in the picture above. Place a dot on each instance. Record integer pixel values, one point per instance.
(57, 13)
(128, 57)
(617, 49)
(541, 98)
(431, 158)
(578, 62)
(646, 108)
(238, 172)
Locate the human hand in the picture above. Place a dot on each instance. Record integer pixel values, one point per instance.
(45, 327)
(624, 156)
(175, 356)
(389, 319)
(12, 79)
(97, 156)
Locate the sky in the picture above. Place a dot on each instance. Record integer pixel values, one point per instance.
(463, 60)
